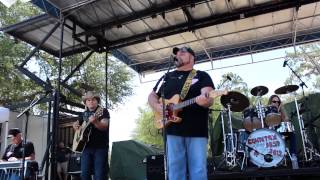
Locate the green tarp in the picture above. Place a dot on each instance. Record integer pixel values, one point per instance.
(127, 160)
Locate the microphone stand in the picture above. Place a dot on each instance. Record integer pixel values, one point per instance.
(164, 120)
(302, 82)
(27, 113)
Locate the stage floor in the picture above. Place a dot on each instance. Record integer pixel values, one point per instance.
(272, 173)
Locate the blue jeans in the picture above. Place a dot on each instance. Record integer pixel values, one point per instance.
(187, 152)
(94, 161)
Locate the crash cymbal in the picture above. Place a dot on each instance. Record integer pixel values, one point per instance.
(286, 89)
(238, 102)
(259, 91)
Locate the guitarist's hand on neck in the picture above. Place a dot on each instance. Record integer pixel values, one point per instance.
(203, 99)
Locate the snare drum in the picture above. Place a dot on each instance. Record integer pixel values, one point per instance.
(251, 120)
(273, 117)
(285, 128)
(266, 148)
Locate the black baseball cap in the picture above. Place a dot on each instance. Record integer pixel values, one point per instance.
(14, 131)
(184, 48)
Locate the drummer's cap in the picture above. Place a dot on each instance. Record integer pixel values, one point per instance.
(13, 132)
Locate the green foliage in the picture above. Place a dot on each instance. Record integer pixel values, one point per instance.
(92, 75)
(145, 130)
(15, 87)
(306, 63)
(236, 83)
(17, 13)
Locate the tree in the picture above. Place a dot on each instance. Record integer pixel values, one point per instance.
(15, 87)
(235, 84)
(92, 76)
(146, 131)
(306, 63)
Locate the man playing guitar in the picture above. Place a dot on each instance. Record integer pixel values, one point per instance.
(186, 140)
(95, 151)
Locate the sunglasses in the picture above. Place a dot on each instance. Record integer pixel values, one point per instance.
(276, 102)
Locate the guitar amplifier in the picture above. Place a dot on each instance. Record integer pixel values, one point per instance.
(155, 167)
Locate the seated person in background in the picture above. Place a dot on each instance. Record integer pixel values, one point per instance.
(275, 100)
(62, 161)
(14, 151)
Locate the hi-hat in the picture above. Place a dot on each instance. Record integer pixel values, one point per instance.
(238, 102)
(286, 89)
(259, 91)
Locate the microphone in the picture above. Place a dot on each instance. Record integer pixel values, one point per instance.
(173, 58)
(285, 63)
(227, 78)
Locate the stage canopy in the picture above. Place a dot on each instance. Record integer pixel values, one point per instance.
(142, 33)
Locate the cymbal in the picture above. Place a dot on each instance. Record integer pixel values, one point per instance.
(286, 89)
(238, 102)
(259, 91)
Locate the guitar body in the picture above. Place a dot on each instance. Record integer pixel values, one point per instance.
(172, 116)
(82, 135)
(174, 105)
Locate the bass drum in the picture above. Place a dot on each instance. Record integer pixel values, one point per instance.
(266, 148)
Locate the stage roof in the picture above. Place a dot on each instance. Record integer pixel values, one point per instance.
(142, 33)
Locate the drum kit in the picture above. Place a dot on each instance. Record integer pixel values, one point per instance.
(262, 141)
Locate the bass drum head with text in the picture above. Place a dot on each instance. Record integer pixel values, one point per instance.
(266, 148)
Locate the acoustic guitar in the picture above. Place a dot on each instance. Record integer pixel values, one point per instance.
(82, 135)
(174, 105)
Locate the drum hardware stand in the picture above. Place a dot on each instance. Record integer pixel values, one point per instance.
(244, 159)
(211, 136)
(260, 110)
(230, 156)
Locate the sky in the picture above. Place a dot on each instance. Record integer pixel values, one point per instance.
(268, 72)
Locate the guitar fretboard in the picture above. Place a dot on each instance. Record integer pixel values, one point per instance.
(184, 104)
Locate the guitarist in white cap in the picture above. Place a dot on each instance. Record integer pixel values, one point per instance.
(187, 132)
(92, 138)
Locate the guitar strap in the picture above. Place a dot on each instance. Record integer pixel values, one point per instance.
(187, 84)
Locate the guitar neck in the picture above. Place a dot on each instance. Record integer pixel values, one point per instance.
(184, 104)
(211, 94)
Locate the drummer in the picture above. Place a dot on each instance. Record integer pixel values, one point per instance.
(275, 100)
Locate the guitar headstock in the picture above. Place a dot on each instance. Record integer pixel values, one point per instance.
(217, 93)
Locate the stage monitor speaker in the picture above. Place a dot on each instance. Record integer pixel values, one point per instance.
(74, 165)
(155, 167)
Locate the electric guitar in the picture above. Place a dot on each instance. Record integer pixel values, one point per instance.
(174, 105)
(82, 135)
